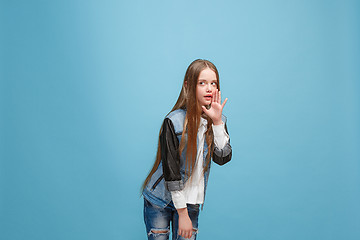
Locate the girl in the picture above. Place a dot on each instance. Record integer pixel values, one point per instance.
(192, 134)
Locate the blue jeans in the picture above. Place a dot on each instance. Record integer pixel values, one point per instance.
(157, 221)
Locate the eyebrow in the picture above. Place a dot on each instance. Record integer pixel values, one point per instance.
(206, 80)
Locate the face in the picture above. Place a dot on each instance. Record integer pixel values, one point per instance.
(206, 86)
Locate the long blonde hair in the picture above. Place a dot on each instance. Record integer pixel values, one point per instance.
(188, 100)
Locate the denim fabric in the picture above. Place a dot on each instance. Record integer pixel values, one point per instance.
(155, 191)
(159, 219)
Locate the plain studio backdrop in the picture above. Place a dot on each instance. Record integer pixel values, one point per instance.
(85, 86)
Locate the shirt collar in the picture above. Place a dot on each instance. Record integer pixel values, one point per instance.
(203, 121)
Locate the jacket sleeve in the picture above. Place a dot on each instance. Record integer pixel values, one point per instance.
(170, 157)
(222, 156)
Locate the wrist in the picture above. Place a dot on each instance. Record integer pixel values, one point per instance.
(217, 122)
(182, 212)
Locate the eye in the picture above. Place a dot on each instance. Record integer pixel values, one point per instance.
(213, 83)
(201, 83)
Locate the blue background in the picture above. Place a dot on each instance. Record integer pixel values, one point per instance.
(85, 86)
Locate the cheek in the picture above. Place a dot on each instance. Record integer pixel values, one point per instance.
(198, 92)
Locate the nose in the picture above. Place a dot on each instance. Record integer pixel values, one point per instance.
(208, 88)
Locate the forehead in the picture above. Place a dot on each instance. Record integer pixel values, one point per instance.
(207, 74)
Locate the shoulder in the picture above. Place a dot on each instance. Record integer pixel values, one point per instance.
(176, 114)
(177, 117)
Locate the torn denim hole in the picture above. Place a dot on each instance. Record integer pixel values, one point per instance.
(159, 231)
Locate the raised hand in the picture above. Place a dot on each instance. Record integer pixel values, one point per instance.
(216, 108)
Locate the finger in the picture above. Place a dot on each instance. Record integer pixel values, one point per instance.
(219, 97)
(216, 95)
(188, 234)
(222, 105)
(205, 110)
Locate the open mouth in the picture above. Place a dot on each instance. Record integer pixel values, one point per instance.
(208, 97)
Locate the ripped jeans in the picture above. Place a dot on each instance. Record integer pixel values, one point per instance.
(157, 221)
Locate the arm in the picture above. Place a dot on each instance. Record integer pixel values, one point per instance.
(170, 157)
(222, 153)
(171, 168)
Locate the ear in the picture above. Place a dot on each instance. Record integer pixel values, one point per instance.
(185, 83)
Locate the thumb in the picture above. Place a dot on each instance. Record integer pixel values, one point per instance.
(224, 103)
(205, 110)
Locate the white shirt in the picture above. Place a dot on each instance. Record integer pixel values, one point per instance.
(193, 191)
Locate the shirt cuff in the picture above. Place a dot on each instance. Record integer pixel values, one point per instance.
(220, 135)
(178, 199)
